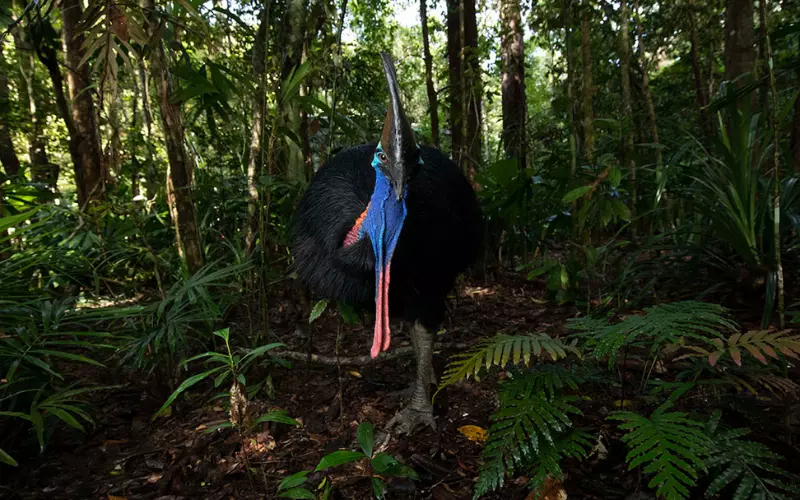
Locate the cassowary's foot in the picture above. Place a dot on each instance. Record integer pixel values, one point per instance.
(409, 419)
(420, 411)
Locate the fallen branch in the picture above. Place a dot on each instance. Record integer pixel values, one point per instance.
(360, 360)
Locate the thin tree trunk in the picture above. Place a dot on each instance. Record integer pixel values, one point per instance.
(513, 82)
(47, 56)
(627, 109)
(179, 177)
(571, 105)
(456, 77)
(90, 174)
(41, 169)
(257, 127)
(472, 89)
(151, 176)
(587, 118)
(135, 137)
(795, 141)
(701, 92)
(8, 157)
(776, 169)
(433, 104)
(740, 53)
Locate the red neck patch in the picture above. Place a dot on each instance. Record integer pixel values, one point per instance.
(355, 232)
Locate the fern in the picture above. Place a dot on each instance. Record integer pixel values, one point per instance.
(671, 447)
(499, 350)
(759, 343)
(574, 443)
(550, 378)
(528, 429)
(744, 462)
(662, 324)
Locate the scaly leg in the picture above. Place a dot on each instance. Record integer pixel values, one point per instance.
(420, 411)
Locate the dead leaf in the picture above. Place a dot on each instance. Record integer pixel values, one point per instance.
(473, 433)
(553, 490)
(354, 373)
(113, 497)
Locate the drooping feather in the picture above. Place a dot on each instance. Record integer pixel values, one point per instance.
(440, 237)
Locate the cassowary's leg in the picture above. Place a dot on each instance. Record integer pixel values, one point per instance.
(420, 410)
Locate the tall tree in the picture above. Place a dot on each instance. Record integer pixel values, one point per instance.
(433, 102)
(179, 177)
(795, 141)
(701, 92)
(8, 157)
(740, 52)
(90, 174)
(627, 109)
(41, 168)
(257, 128)
(587, 112)
(456, 79)
(513, 83)
(648, 95)
(472, 88)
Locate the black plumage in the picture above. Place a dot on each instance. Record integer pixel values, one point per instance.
(440, 238)
(390, 225)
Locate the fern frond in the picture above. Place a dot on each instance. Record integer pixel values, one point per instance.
(749, 463)
(778, 386)
(499, 350)
(662, 324)
(550, 378)
(670, 446)
(761, 344)
(575, 443)
(523, 433)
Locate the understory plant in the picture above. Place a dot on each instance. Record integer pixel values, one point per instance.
(381, 465)
(665, 377)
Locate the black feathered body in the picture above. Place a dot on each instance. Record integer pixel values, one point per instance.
(441, 235)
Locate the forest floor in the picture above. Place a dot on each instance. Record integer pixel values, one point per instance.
(129, 455)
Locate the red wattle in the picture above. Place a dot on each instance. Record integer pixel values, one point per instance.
(382, 336)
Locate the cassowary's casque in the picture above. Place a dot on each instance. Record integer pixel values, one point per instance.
(390, 210)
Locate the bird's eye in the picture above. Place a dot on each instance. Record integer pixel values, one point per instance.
(382, 157)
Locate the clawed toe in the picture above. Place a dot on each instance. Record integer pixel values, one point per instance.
(408, 420)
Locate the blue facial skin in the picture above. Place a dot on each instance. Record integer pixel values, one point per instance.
(385, 218)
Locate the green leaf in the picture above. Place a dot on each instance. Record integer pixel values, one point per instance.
(338, 458)
(276, 416)
(225, 334)
(576, 193)
(294, 480)
(382, 461)
(189, 382)
(365, 435)
(378, 487)
(297, 493)
(7, 459)
(317, 311)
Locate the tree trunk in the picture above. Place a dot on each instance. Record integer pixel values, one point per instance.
(8, 157)
(587, 118)
(571, 106)
(740, 53)
(795, 141)
(513, 82)
(41, 169)
(627, 109)
(701, 93)
(90, 175)
(472, 89)
(456, 77)
(179, 177)
(433, 104)
(257, 128)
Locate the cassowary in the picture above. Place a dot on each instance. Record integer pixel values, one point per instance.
(390, 210)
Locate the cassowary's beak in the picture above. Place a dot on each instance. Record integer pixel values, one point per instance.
(397, 139)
